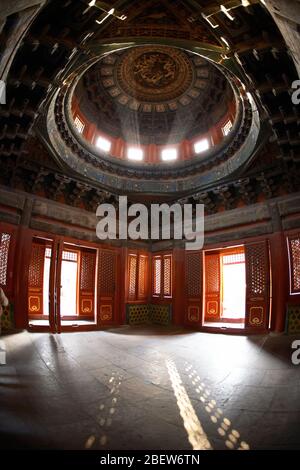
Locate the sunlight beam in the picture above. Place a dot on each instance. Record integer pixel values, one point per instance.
(196, 435)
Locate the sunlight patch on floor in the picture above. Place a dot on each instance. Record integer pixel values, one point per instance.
(196, 435)
(225, 430)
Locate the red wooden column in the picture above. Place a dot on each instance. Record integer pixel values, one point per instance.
(8, 235)
(178, 286)
(21, 268)
(124, 287)
(280, 280)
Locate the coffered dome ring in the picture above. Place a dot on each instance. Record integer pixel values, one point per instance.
(124, 176)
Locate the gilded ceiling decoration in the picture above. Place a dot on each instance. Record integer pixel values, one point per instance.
(158, 78)
(168, 93)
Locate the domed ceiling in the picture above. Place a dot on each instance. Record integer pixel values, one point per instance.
(161, 103)
(153, 94)
(60, 55)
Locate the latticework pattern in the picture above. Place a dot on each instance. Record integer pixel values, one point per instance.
(4, 250)
(36, 267)
(167, 276)
(137, 314)
(132, 275)
(87, 271)
(107, 272)
(193, 274)
(235, 258)
(293, 319)
(295, 264)
(160, 314)
(70, 256)
(212, 273)
(256, 269)
(142, 287)
(157, 276)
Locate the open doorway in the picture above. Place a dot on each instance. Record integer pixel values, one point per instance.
(61, 285)
(77, 273)
(69, 279)
(46, 281)
(233, 287)
(225, 288)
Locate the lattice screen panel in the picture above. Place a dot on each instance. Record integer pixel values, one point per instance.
(167, 276)
(4, 250)
(157, 276)
(236, 258)
(143, 276)
(193, 274)
(257, 281)
(87, 282)
(107, 272)
(36, 268)
(138, 314)
(107, 285)
(293, 320)
(70, 256)
(160, 314)
(213, 284)
(256, 269)
(212, 273)
(132, 275)
(87, 271)
(295, 264)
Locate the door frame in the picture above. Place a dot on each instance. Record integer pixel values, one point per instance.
(235, 244)
(227, 252)
(52, 290)
(55, 324)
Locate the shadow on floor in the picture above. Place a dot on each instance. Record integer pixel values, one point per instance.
(148, 330)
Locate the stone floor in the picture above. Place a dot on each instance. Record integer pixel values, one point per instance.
(149, 388)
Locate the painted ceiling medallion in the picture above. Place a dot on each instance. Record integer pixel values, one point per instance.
(154, 75)
(155, 70)
(154, 78)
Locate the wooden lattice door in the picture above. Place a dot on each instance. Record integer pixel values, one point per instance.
(143, 278)
(36, 279)
(193, 286)
(167, 276)
(132, 270)
(258, 285)
(87, 282)
(212, 287)
(107, 272)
